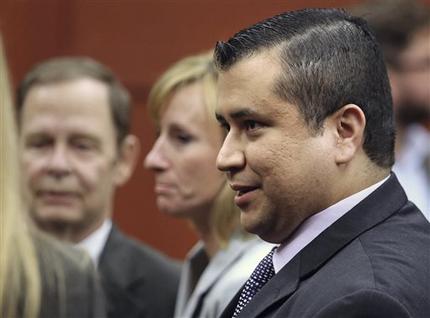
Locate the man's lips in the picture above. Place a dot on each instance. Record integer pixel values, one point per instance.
(244, 194)
(56, 197)
(242, 189)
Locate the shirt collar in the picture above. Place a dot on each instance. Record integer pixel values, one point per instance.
(96, 241)
(316, 224)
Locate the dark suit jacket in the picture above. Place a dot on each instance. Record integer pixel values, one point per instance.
(138, 281)
(70, 285)
(373, 262)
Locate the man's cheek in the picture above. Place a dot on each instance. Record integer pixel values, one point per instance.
(92, 177)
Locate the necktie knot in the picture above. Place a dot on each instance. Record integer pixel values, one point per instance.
(259, 277)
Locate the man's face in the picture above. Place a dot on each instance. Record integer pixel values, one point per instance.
(277, 166)
(68, 153)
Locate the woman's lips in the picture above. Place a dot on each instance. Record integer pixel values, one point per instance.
(164, 188)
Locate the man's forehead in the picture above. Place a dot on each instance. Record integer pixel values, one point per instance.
(78, 92)
(249, 82)
(51, 126)
(66, 118)
(261, 63)
(77, 96)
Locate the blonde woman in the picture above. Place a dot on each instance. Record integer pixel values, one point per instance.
(38, 277)
(188, 185)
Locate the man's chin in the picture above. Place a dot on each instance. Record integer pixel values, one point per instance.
(58, 216)
(249, 223)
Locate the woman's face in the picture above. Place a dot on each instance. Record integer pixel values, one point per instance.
(184, 154)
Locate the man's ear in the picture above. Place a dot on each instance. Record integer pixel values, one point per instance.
(350, 123)
(128, 153)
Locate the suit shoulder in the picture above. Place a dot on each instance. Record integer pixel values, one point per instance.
(137, 257)
(402, 239)
(138, 280)
(397, 255)
(364, 303)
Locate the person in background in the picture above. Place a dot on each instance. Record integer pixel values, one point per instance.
(402, 27)
(188, 185)
(76, 149)
(39, 277)
(305, 100)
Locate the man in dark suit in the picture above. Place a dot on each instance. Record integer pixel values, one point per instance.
(306, 102)
(76, 149)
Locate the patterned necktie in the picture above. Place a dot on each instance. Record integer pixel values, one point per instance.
(259, 277)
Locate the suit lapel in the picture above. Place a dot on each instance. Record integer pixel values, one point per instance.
(374, 209)
(115, 279)
(229, 310)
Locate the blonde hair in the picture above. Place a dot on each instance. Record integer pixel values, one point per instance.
(19, 270)
(198, 68)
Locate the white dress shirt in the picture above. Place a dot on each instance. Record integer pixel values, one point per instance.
(96, 241)
(316, 224)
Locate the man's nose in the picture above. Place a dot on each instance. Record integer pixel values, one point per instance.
(231, 156)
(156, 159)
(59, 163)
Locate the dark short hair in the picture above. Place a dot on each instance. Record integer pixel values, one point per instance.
(328, 59)
(70, 68)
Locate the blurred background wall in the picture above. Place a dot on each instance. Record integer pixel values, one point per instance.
(138, 40)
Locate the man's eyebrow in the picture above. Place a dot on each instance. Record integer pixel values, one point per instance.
(237, 114)
(85, 136)
(241, 113)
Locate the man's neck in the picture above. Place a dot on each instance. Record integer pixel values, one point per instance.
(351, 181)
(316, 224)
(72, 233)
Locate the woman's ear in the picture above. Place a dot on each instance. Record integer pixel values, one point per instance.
(350, 123)
(128, 153)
